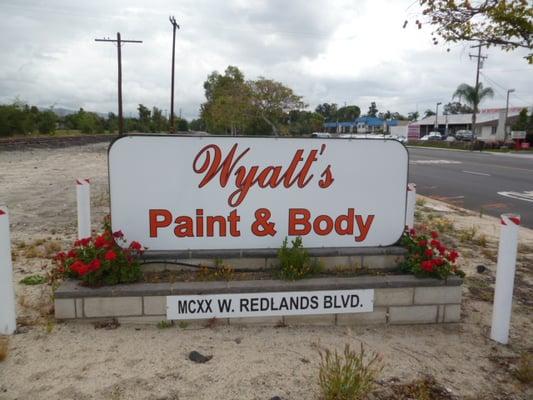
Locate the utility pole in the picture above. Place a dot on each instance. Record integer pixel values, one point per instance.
(506, 115)
(480, 59)
(174, 27)
(119, 42)
(437, 116)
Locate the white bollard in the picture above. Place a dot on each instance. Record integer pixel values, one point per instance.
(411, 203)
(8, 318)
(83, 192)
(505, 271)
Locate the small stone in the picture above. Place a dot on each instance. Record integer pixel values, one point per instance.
(238, 340)
(199, 358)
(481, 268)
(276, 398)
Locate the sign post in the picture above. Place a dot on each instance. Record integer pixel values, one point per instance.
(505, 272)
(83, 195)
(8, 320)
(411, 205)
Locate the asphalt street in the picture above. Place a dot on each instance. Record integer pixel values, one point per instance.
(487, 182)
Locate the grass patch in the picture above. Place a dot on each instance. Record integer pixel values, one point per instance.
(33, 280)
(420, 202)
(347, 376)
(490, 254)
(481, 240)
(479, 289)
(295, 262)
(164, 324)
(524, 369)
(467, 235)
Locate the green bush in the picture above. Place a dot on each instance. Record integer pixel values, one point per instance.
(295, 262)
(349, 376)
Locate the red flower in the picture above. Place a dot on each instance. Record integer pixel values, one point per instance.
(110, 255)
(60, 256)
(94, 265)
(438, 262)
(435, 243)
(135, 245)
(100, 242)
(453, 256)
(427, 266)
(80, 268)
(434, 235)
(72, 254)
(118, 234)
(84, 242)
(429, 253)
(442, 250)
(422, 243)
(412, 232)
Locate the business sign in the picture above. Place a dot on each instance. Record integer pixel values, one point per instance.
(413, 132)
(269, 304)
(518, 135)
(209, 192)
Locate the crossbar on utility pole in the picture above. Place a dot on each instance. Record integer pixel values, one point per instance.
(479, 59)
(119, 42)
(174, 27)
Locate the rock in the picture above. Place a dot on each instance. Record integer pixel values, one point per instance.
(199, 358)
(481, 268)
(275, 398)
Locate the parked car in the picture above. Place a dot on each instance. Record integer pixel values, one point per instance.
(322, 135)
(465, 135)
(432, 136)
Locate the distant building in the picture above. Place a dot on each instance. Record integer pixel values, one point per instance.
(489, 123)
(361, 125)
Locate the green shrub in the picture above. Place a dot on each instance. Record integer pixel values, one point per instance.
(349, 376)
(33, 280)
(295, 262)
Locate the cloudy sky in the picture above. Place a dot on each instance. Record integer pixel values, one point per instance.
(327, 51)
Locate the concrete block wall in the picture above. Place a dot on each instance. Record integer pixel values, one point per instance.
(373, 258)
(397, 300)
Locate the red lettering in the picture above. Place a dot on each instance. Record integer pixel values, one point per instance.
(156, 223)
(210, 162)
(184, 227)
(211, 226)
(318, 222)
(364, 227)
(299, 216)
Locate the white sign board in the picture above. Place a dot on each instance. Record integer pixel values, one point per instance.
(518, 135)
(177, 192)
(269, 304)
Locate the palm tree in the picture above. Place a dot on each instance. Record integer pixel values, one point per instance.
(471, 96)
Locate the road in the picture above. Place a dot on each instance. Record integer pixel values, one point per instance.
(493, 183)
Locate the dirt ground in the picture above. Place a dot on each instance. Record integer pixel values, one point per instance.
(49, 360)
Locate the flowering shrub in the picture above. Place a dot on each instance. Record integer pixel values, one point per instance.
(100, 260)
(427, 256)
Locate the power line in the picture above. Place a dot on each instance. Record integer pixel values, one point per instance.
(480, 60)
(119, 42)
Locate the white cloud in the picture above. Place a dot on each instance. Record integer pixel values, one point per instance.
(343, 51)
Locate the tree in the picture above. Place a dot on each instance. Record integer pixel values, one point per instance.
(507, 24)
(182, 125)
(456, 107)
(46, 122)
(158, 122)
(144, 118)
(428, 113)
(413, 116)
(472, 96)
(304, 122)
(228, 106)
(272, 100)
(197, 125)
(372, 110)
(328, 111)
(348, 113)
